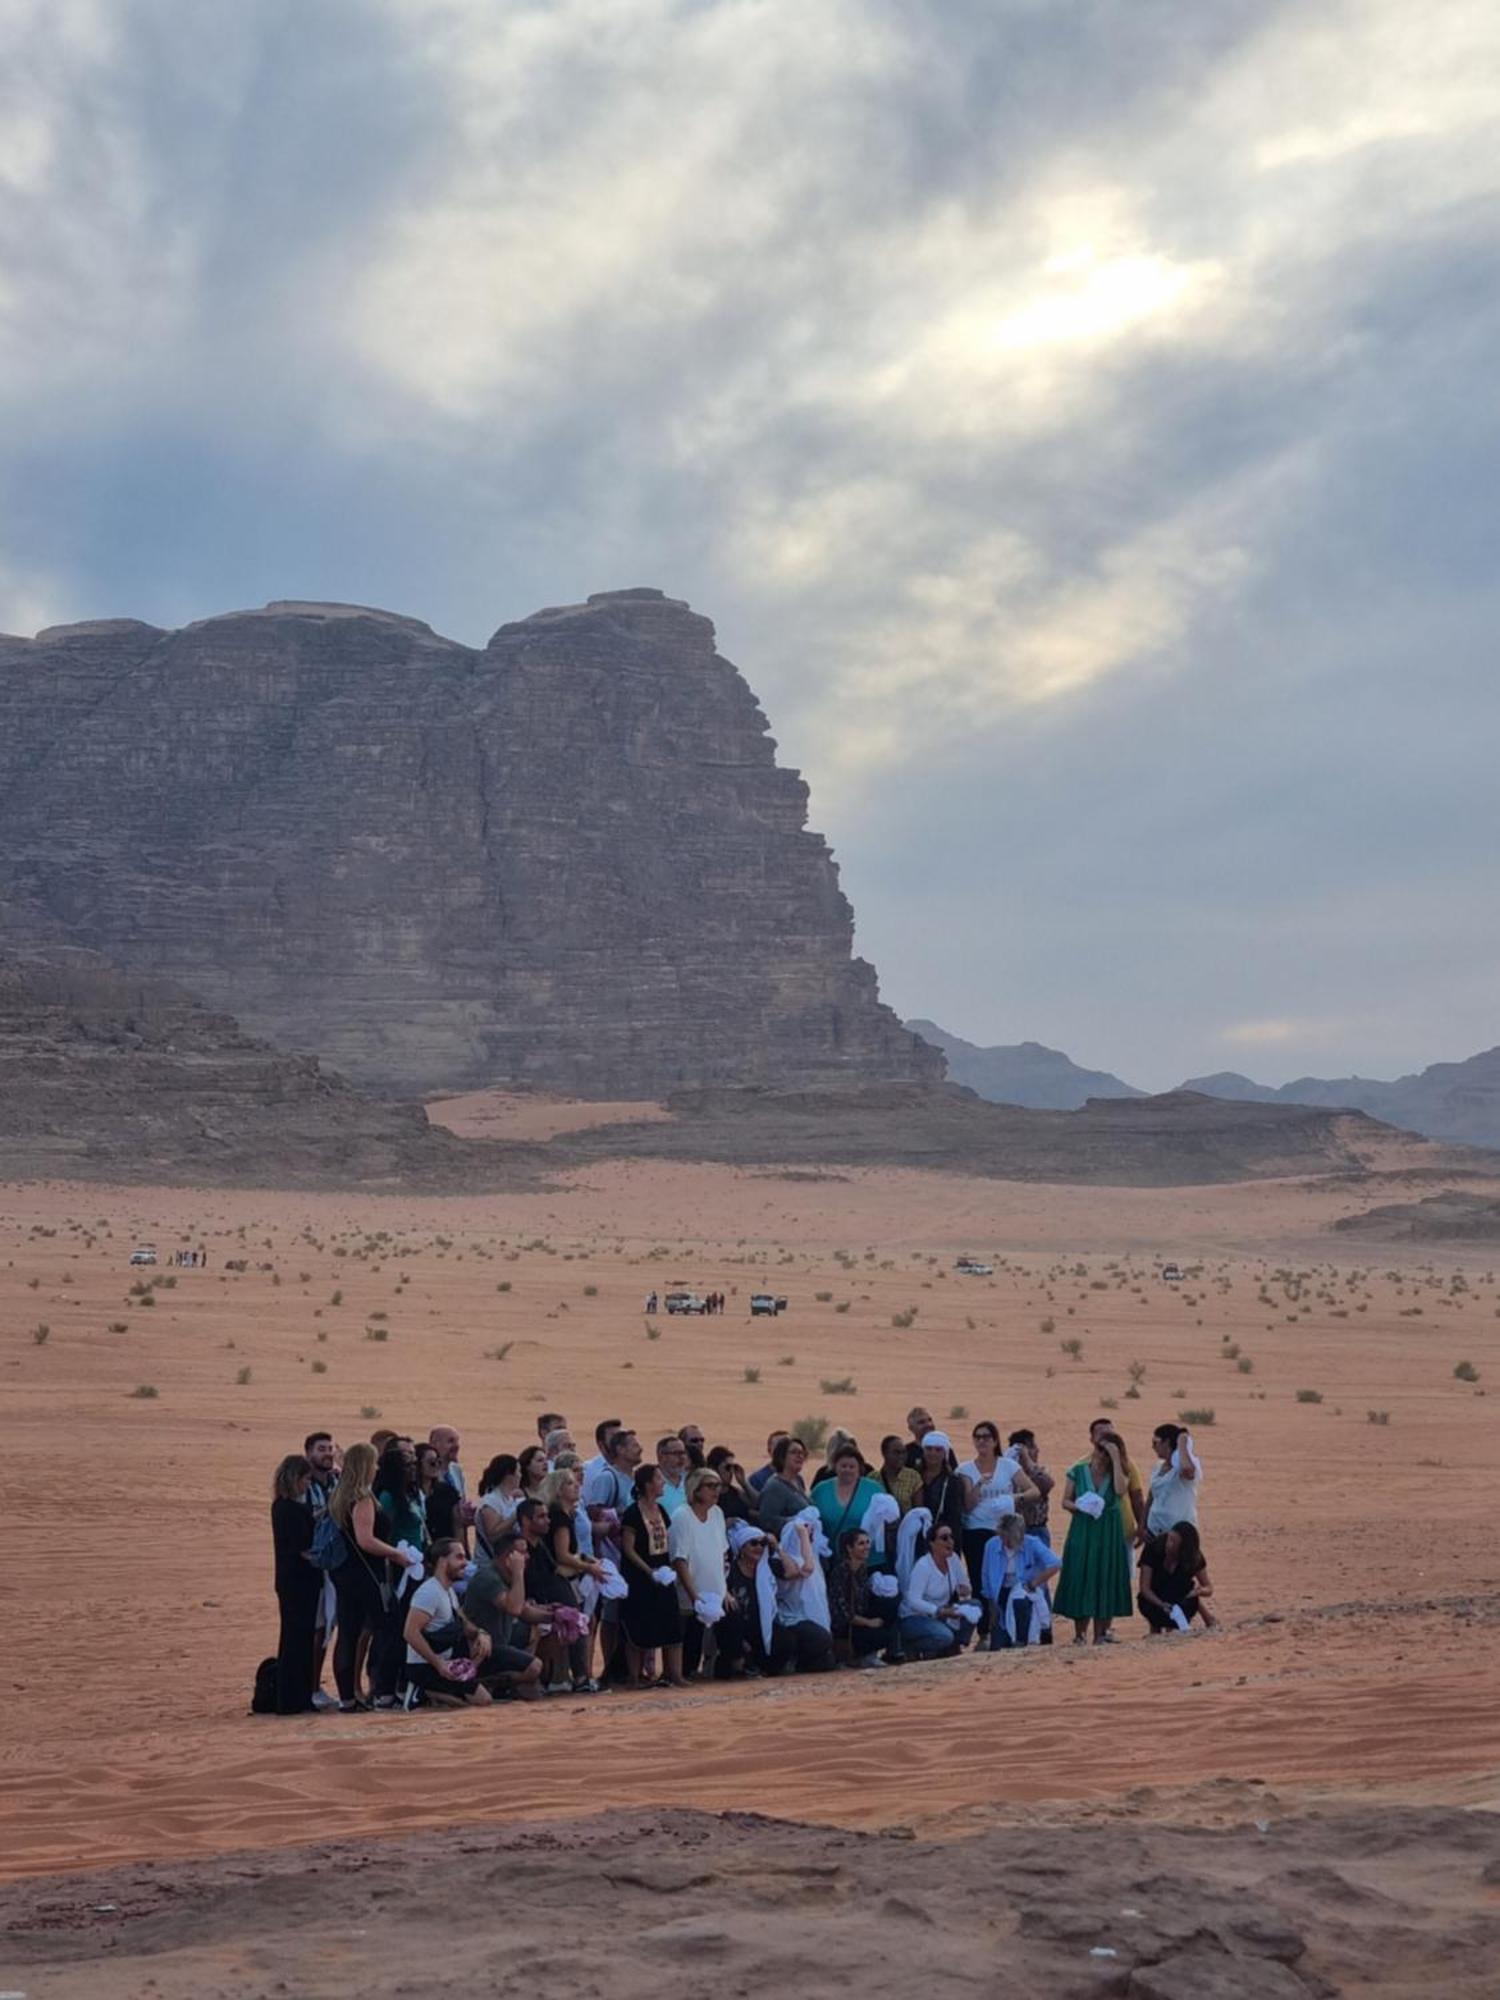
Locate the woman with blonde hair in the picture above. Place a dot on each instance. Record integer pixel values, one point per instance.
(359, 1582)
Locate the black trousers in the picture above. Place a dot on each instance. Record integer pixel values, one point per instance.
(360, 1610)
(294, 1645)
(806, 1648)
(1161, 1621)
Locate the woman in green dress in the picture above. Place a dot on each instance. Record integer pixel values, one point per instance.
(1095, 1581)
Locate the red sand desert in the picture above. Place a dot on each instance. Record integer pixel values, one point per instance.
(1351, 1539)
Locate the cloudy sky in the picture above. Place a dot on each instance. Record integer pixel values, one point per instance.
(1079, 419)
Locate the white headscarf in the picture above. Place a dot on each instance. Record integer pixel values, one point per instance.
(740, 1534)
(883, 1512)
(916, 1524)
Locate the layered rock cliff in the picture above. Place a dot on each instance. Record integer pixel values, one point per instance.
(115, 1076)
(569, 859)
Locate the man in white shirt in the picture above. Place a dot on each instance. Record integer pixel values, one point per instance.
(436, 1671)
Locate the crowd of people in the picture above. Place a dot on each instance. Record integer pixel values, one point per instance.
(555, 1574)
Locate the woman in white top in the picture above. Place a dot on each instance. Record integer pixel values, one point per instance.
(436, 1670)
(932, 1626)
(698, 1549)
(500, 1495)
(1174, 1480)
(992, 1484)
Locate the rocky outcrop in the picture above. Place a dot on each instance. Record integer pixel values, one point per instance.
(1447, 1100)
(106, 1075)
(1027, 1073)
(569, 859)
(1175, 1140)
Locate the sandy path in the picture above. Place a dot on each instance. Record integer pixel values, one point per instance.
(131, 1514)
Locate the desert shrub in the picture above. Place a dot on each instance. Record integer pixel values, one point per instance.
(591, 1291)
(146, 1393)
(1108, 1403)
(786, 1361)
(1466, 1372)
(1245, 1365)
(1196, 1420)
(379, 1316)
(1137, 1373)
(503, 1286)
(842, 1306)
(320, 1367)
(377, 1333)
(653, 1331)
(905, 1319)
(958, 1412)
(242, 1377)
(823, 1298)
(811, 1432)
(843, 1385)
(1072, 1348)
(1049, 1325)
(118, 1326)
(752, 1374)
(499, 1353)
(41, 1332)
(1309, 1395)
(336, 1299)
(368, 1410)
(1381, 1417)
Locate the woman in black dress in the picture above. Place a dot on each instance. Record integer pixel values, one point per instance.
(299, 1586)
(650, 1613)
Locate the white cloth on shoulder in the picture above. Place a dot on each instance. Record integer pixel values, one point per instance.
(1091, 1504)
(1041, 1613)
(883, 1512)
(917, 1523)
(1188, 1450)
(801, 1598)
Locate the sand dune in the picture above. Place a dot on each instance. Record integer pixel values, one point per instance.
(1355, 1560)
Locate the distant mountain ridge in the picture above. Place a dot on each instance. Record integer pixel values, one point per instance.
(1024, 1073)
(1447, 1100)
(1459, 1101)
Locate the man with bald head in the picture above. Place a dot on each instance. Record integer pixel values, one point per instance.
(445, 1502)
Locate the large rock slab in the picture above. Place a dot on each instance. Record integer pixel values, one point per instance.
(569, 859)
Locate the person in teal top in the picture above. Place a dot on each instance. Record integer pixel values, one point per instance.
(1095, 1582)
(841, 1501)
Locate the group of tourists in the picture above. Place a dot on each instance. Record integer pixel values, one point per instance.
(555, 1574)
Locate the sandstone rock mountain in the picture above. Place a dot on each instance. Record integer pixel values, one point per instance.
(1025, 1073)
(567, 859)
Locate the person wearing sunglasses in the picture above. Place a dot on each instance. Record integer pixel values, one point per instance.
(992, 1486)
(938, 1614)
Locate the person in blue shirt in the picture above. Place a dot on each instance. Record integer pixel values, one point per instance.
(1017, 1565)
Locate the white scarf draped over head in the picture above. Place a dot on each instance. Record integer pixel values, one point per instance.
(740, 1535)
(883, 1512)
(916, 1524)
(803, 1597)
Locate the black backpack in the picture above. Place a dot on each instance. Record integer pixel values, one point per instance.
(263, 1699)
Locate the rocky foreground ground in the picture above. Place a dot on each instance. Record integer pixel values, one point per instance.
(1278, 1906)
